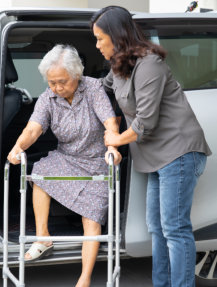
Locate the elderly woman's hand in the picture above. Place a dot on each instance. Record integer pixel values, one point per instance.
(12, 156)
(115, 152)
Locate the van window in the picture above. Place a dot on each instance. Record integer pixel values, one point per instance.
(29, 77)
(193, 60)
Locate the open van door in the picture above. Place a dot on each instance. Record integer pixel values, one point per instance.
(26, 36)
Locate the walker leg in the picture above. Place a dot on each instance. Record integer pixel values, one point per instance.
(110, 222)
(5, 235)
(110, 244)
(22, 219)
(117, 233)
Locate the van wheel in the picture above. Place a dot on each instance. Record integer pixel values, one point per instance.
(206, 268)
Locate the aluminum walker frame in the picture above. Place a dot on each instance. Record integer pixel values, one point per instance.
(113, 178)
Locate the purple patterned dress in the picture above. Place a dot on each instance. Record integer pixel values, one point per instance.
(80, 151)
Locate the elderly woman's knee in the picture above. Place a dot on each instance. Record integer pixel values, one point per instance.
(91, 226)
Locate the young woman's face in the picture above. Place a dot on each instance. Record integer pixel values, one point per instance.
(104, 42)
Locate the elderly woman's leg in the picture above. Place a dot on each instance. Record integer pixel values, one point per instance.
(89, 251)
(41, 206)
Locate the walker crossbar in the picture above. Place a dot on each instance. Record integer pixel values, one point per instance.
(113, 179)
(100, 238)
(78, 178)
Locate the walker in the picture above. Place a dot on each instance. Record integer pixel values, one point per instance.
(113, 179)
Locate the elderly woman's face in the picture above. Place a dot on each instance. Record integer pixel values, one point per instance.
(61, 83)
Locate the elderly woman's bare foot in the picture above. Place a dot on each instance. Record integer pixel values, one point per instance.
(83, 282)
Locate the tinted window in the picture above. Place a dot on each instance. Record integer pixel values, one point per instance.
(29, 77)
(192, 49)
(29, 45)
(193, 60)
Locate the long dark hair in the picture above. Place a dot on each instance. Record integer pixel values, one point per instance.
(127, 37)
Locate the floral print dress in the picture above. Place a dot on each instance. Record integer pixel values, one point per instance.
(80, 152)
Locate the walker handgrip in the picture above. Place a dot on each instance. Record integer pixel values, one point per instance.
(111, 159)
(23, 158)
(18, 156)
(6, 168)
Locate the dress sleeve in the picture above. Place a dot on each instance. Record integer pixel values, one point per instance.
(41, 113)
(149, 80)
(101, 103)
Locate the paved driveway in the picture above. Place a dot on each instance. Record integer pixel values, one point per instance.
(134, 273)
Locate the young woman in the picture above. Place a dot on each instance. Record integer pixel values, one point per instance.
(166, 140)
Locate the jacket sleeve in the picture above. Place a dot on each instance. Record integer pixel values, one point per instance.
(150, 78)
(108, 82)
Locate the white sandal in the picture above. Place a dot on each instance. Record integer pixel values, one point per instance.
(38, 251)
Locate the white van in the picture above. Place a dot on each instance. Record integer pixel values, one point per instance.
(191, 42)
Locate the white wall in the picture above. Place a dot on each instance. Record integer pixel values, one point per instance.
(6, 3)
(154, 6)
(133, 5)
(50, 3)
(157, 6)
(212, 4)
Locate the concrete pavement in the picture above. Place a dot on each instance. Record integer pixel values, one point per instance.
(134, 273)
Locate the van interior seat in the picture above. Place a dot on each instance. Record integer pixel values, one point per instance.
(12, 96)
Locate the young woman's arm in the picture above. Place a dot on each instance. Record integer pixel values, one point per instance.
(115, 139)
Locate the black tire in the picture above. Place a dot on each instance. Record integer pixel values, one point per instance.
(206, 269)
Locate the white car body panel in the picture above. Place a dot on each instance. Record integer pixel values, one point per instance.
(204, 211)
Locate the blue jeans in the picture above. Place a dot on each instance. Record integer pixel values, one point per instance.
(169, 200)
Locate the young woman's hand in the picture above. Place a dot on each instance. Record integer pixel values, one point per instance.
(112, 138)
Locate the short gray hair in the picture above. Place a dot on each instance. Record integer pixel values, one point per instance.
(63, 56)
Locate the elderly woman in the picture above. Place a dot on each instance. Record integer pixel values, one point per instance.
(78, 111)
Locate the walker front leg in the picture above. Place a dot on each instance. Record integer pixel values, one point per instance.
(5, 232)
(22, 219)
(110, 221)
(117, 232)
